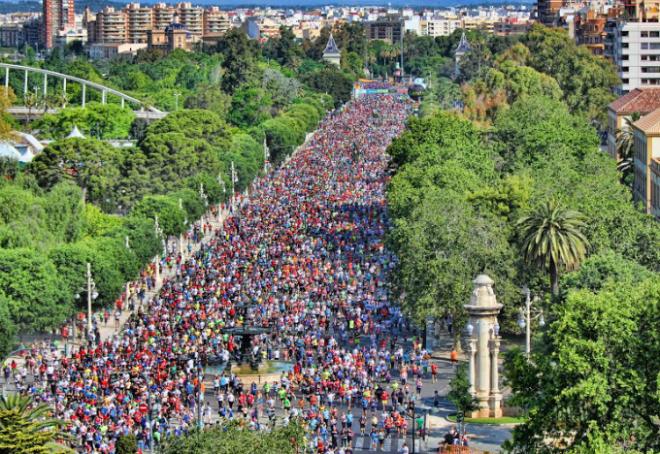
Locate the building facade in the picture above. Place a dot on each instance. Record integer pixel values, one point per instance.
(548, 11)
(139, 20)
(619, 112)
(646, 133)
(388, 30)
(439, 27)
(636, 53)
(58, 15)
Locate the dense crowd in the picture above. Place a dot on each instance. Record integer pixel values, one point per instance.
(303, 258)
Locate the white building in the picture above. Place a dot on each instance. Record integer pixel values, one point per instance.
(636, 52)
(440, 26)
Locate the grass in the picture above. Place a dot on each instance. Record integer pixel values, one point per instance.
(502, 420)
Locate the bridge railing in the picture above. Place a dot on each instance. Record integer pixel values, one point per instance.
(66, 77)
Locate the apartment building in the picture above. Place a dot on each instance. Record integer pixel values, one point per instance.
(439, 26)
(139, 20)
(58, 15)
(110, 27)
(548, 11)
(646, 132)
(636, 53)
(190, 17)
(387, 29)
(215, 22)
(163, 16)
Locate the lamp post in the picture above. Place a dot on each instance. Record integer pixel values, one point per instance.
(159, 233)
(234, 179)
(176, 101)
(224, 195)
(128, 289)
(91, 294)
(525, 319)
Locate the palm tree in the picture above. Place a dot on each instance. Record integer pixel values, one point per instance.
(29, 427)
(552, 239)
(625, 141)
(31, 101)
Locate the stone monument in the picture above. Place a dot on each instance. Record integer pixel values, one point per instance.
(482, 348)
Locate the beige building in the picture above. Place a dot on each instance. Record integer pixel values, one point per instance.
(111, 27)
(139, 20)
(191, 17)
(640, 100)
(216, 21)
(163, 15)
(440, 27)
(646, 155)
(655, 188)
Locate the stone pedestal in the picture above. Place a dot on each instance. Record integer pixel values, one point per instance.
(482, 345)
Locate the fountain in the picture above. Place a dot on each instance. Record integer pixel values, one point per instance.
(247, 362)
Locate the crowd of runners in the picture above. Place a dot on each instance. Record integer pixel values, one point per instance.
(303, 258)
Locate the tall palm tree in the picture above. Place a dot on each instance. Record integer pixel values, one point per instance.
(552, 239)
(31, 101)
(29, 427)
(625, 140)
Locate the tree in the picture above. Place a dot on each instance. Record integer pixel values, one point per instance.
(211, 98)
(28, 428)
(101, 121)
(7, 327)
(625, 141)
(552, 239)
(127, 444)
(36, 298)
(238, 62)
(250, 106)
(588, 81)
(331, 81)
(170, 216)
(459, 392)
(592, 383)
(235, 438)
(92, 164)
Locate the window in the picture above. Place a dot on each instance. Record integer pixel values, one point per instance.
(651, 69)
(644, 34)
(654, 34)
(624, 81)
(624, 33)
(624, 57)
(625, 69)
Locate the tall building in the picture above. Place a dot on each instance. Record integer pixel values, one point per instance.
(190, 17)
(111, 26)
(140, 20)
(389, 30)
(636, 53)
(548, 11)
(440, 26)
(215, 22)
(163, 16)
(58, 15)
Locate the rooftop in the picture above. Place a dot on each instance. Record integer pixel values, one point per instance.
(331, 47)
(642, 100)
(649, 124)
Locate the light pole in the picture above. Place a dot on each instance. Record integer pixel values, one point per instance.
(266, 156)
(525, 319)
(176, 101)
(128, 289)
(159, 234)
(224, 195)
(234, 179)
(91, 294)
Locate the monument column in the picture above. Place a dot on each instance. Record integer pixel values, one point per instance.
(483, 346)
